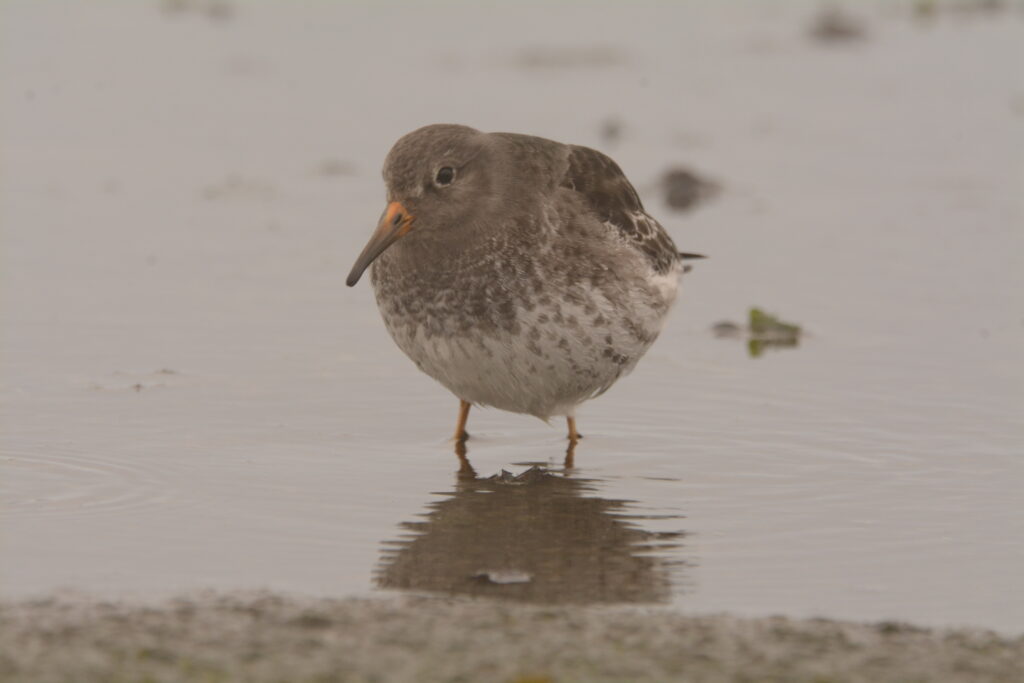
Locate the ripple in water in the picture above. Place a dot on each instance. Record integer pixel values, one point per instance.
(60, 484)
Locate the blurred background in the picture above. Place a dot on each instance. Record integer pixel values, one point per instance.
(192, 398)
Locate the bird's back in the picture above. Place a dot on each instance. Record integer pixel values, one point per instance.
(600, 187)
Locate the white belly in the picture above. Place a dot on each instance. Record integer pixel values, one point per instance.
(556, 357)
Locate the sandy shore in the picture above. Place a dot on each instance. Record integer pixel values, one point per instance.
(269, 637)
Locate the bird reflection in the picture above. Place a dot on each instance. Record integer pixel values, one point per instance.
(540, 536)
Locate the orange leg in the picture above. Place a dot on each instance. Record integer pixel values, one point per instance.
(574, 436)
(460, 428)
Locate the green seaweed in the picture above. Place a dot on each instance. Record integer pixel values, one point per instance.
(767, 325)
(769, 331)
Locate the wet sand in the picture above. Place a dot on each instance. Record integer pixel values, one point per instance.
(266, 637)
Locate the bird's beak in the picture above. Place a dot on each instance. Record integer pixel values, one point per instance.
(395, 223)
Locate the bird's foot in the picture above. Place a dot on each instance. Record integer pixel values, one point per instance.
(574, 436)
(460, 427)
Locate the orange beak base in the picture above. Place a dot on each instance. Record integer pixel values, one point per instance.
(395, 223)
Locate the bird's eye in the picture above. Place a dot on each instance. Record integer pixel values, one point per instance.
(445, 175)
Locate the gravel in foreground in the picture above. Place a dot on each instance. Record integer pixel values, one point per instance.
(268, 637)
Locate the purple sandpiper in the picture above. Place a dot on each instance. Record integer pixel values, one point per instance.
(519, 272)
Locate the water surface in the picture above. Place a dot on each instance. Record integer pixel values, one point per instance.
(193, 399)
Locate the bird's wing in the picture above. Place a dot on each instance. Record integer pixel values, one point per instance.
(605, 190)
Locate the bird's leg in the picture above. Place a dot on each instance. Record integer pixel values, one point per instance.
(570, 456)
(460, 427)
(574, 436)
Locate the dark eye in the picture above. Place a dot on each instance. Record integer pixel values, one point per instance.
(445, 175)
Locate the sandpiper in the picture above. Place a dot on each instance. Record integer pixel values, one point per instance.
(519, 272)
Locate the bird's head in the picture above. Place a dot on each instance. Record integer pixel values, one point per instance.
(437, 179)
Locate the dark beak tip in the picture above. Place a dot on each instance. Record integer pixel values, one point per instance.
(392, 225)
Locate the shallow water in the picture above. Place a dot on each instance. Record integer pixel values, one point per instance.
(192, 398)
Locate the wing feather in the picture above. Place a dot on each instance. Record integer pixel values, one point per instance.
(613, 200)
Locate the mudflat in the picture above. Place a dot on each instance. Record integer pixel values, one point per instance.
(271, 637)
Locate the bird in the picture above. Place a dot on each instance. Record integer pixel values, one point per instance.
(519, 272)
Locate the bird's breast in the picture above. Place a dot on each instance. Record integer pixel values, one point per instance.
(493, 337)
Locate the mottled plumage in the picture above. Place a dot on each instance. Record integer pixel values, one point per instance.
(531, 281)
